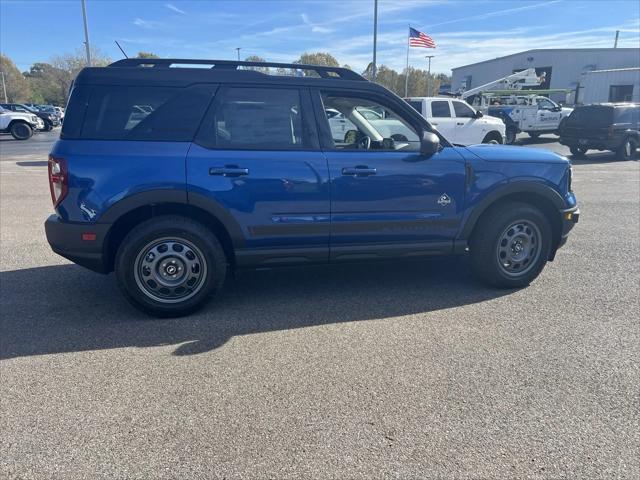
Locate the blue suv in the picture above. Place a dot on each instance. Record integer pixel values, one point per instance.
(171, 174)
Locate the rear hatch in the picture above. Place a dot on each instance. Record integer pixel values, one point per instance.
(592, 122)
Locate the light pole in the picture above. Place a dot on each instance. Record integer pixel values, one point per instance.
(86, 33)
(375, 39)
(429, 75)
(4, 88)
(238, 50)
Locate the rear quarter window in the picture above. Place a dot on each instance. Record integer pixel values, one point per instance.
(144, 113)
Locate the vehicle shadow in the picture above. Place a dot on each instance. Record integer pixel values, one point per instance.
(35, 163)
(598, 157)
(536, 141)
(66, 308)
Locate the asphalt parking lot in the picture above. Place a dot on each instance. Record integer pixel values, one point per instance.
(365, 371)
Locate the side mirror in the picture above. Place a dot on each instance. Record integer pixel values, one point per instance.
(429, 144)
(479, 114)
(557, 109)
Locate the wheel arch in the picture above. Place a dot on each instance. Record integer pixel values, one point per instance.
(538, 195)
(493, 135)
(130, 212)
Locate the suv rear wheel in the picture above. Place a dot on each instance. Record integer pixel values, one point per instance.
(169, 266)
(511, 245)
(21, 130)
(578, 151)
(627, 150)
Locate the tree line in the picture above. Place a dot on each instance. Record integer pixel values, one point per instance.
(49, 82)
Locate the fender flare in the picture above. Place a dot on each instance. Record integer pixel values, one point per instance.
(491, 198)
(181, 197)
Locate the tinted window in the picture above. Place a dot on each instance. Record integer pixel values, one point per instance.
(255, 118)
(417, 105)
(144, 113)
(627, 115)
(440, 109)
(462, 110)
(544, 104)
(594, 116)
(365, 124)
(620, 93)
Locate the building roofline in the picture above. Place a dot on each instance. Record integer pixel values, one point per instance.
(548, 50)
(629, 69)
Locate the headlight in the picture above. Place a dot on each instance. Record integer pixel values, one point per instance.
(34, 119)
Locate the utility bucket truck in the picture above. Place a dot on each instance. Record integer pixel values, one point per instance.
(520, 109)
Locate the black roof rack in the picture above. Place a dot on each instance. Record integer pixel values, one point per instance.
(324, 72)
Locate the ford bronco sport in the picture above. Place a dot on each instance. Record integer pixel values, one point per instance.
(171, 176)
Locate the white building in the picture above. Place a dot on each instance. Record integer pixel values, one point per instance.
(617, 85)
(564, 68)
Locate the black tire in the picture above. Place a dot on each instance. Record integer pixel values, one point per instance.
(137, 271)
(578, 151)
(510, 137)
(493, 138)
(627, 150)
(48, 126)
(21, 131)
(534, 135)
(501, 264)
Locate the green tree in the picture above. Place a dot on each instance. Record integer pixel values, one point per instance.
(16, 84)
(146, 55)
(256, 58)
(48, 84)
(318, 58)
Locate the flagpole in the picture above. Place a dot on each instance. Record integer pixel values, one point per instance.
(406, 74)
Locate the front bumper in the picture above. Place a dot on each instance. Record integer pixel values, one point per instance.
(570, 217)
(66, 240)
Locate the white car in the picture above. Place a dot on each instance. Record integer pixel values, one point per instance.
(20, 125)
(458, 122)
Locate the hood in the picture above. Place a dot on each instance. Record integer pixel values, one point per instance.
(507, 153)
(565, 112)
(492, 119)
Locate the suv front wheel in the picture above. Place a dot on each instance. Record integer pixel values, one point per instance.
(511, 245)
(169, 266)
(627, 150)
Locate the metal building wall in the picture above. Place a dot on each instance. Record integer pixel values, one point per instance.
(595, 87)
(568, 65)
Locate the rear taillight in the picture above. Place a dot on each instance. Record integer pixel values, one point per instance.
(58, 180)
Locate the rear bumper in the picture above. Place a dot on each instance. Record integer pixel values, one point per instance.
(66, 240)
(591, 143)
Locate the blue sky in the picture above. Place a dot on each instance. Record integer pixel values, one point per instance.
(465, 31)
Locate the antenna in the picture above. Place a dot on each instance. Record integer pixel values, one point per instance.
(123, 52)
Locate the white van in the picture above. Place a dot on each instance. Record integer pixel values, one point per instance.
(458, 122)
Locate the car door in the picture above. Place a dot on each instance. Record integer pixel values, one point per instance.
(386, 198)
(469, 130)
(256, 160)
(442, 119)
(548, 115)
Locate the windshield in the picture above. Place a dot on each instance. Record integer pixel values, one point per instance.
(593, 116)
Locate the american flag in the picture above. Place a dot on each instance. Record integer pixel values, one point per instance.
(419, 39)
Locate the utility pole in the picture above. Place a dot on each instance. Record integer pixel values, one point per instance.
(4, 88)
(86, 33)
(615, 44)
(429, 76)
(375, 38)
(238, 50)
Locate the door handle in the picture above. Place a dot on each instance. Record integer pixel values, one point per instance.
(460, 123)
(359, 171)
(434, 124)
(228, 171)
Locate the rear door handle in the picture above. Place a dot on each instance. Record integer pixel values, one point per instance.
(462, 123)
(359, 171)
(229, 171)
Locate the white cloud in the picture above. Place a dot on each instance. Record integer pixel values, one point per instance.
(314, 27)
(148, 24)
(170, 6)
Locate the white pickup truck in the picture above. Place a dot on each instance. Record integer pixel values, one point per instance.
(458, 122)
(20, 125)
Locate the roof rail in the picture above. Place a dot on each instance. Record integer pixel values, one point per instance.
(322, 71)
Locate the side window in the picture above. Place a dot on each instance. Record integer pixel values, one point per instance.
(545, 104)
(369, 125)
(145, 113)
(255, 118)
(440, 108)
(417, 105)
(462, 110)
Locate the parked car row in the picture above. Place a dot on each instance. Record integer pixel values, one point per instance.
(51, 116)
(614, 127)
(20, 125)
